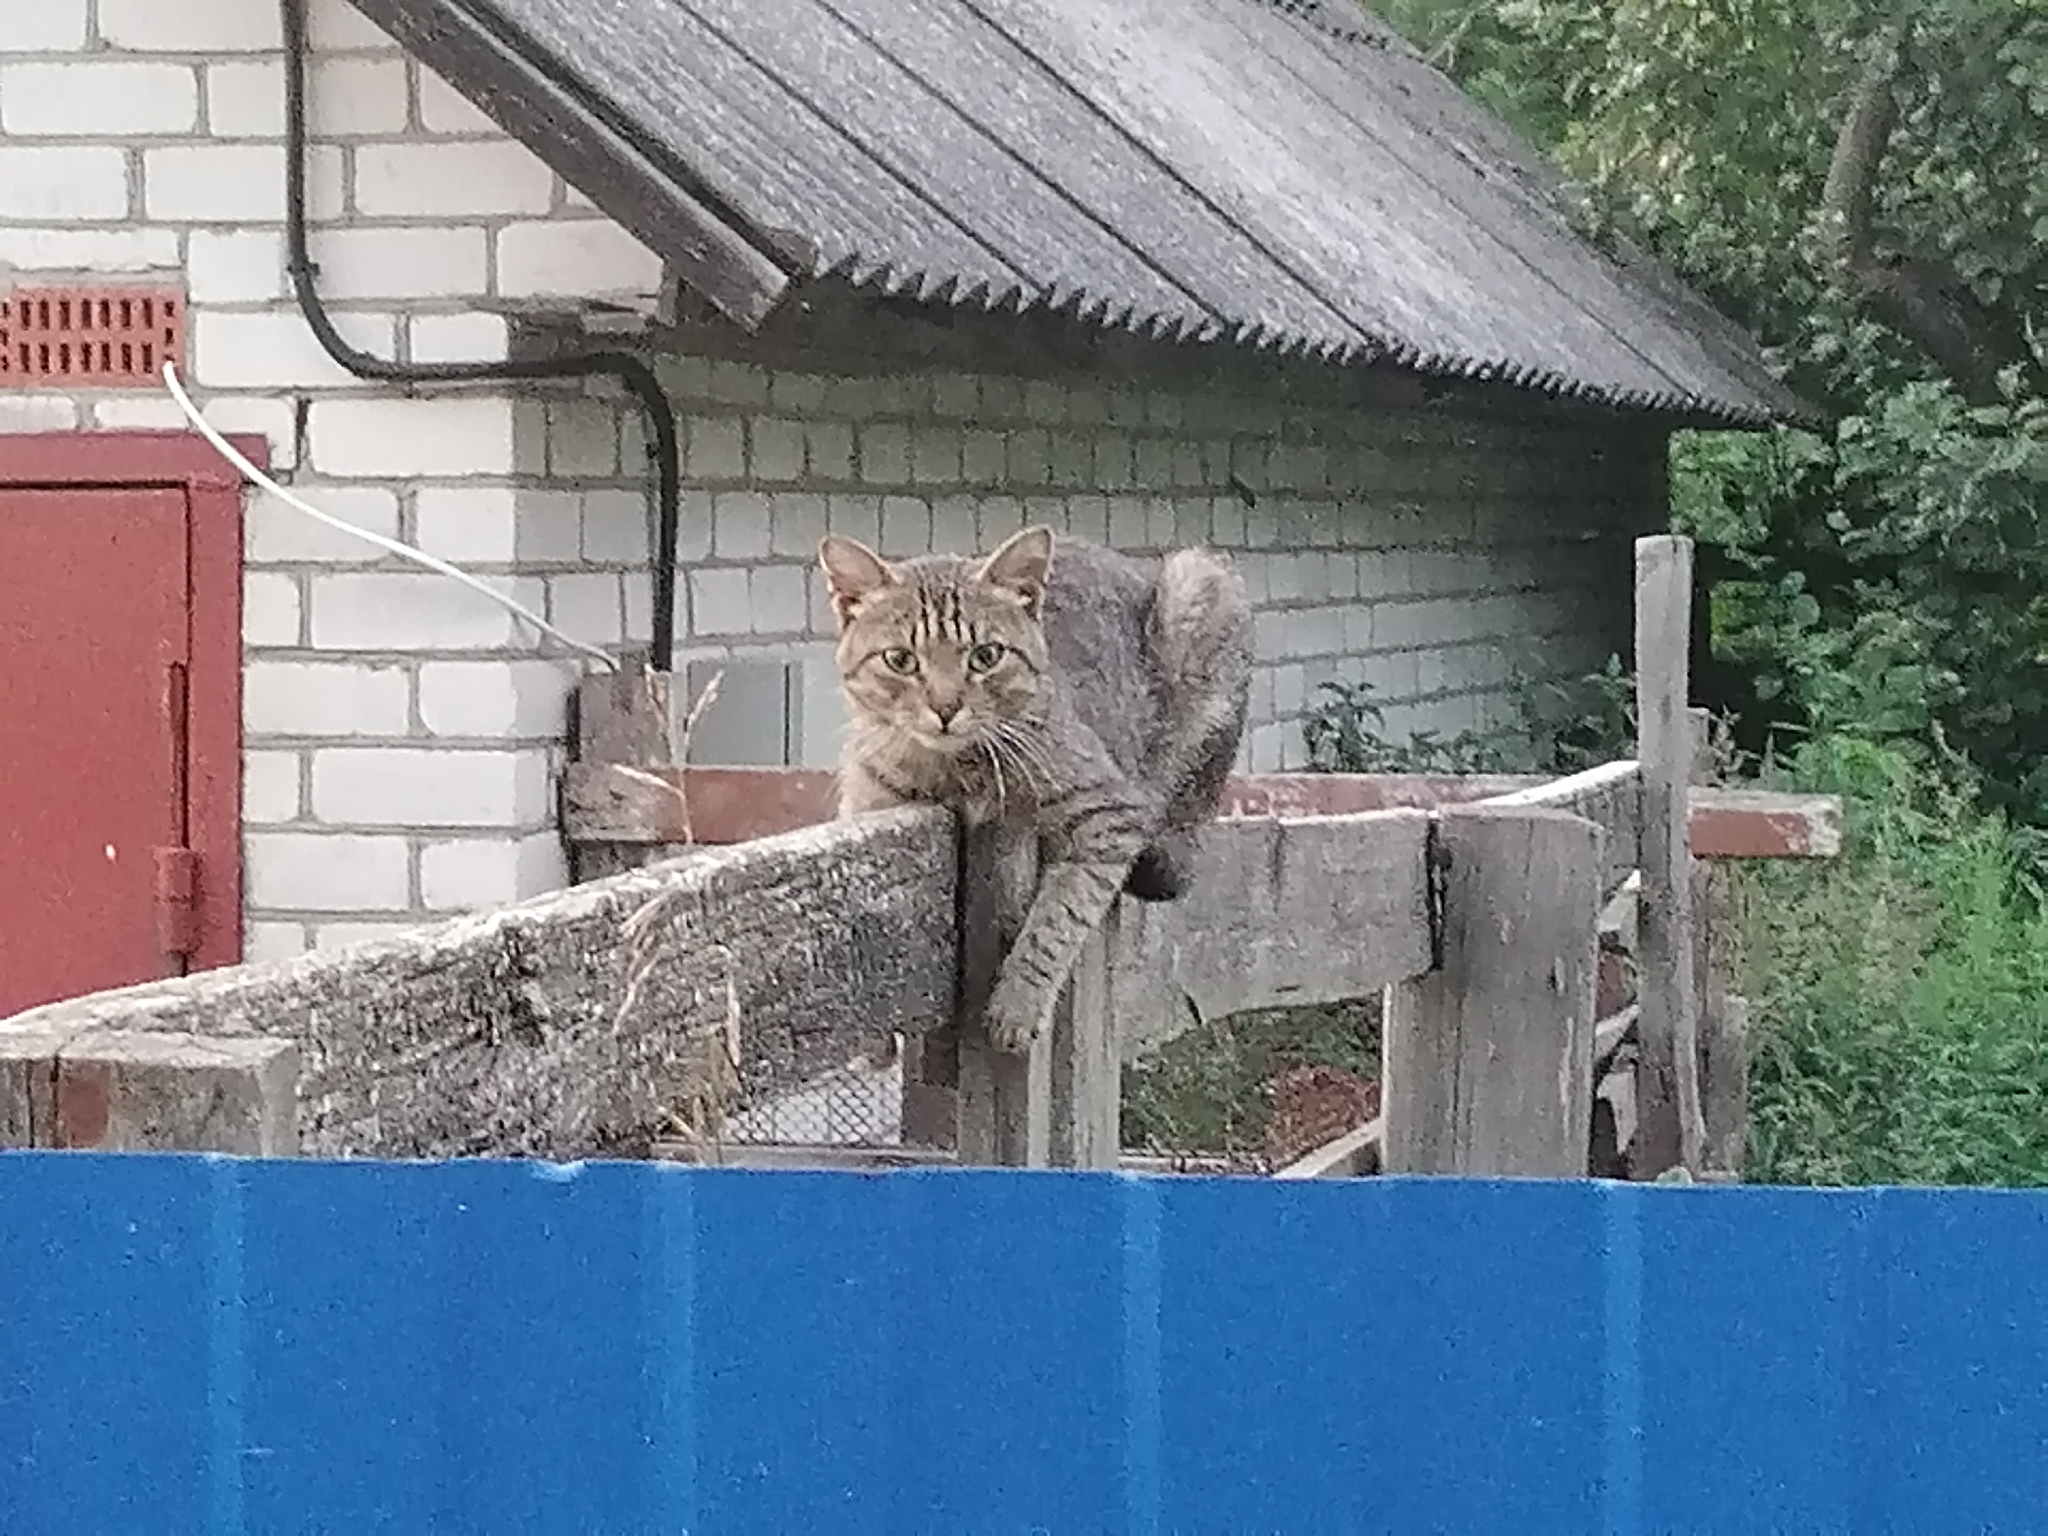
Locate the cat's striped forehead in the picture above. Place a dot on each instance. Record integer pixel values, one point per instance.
(948, 602)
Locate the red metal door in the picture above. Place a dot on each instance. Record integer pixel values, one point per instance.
(95, 645)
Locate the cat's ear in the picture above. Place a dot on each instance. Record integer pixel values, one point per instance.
(1021, 564)
(852, 572)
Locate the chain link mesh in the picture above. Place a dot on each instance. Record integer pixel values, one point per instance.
(858, 1105)
(1250, 1093)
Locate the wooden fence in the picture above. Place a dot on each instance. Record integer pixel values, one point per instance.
(596, 1019)
(1476, 906)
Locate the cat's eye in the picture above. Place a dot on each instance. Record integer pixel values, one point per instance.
(900, 660)
(983, 657)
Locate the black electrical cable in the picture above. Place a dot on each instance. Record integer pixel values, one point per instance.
(628, 370)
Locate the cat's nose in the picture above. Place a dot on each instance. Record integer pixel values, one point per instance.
(945, 712)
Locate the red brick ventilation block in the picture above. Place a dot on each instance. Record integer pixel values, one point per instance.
(106, 338)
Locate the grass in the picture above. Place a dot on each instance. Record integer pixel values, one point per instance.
(1901, 993)
(1204, 1091)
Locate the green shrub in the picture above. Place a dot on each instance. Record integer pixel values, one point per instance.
(1900, 992)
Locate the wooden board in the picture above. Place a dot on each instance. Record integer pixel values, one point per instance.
(1488, 1061)
(600, 804)
(1087, 1067)
(726, 805)
(1668, 1087)
(1280, 914)
(660, 804)
(1761, 824)
(859, 1159)
(1355, 1153)
(1295, 795)
(1005, 1101)
(513, 1031)
(1609, 796)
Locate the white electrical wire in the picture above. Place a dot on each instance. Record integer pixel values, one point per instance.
(228, 451)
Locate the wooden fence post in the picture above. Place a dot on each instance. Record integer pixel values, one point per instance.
(1669, 1129)
(1723, 1019)
(1004, 1101)
(1062, 1107)
(931, 1089)
(621, 717)
(1087, 1062)
(1489, 1058)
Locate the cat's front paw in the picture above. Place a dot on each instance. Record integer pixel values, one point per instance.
(1015, 1018)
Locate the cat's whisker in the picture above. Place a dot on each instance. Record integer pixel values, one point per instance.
(995, 768)
(1026, 751)
(999, 750)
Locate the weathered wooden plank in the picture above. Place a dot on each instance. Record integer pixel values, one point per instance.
(931, 1088)
(831, 1155)
(601, 803)
(1668, 1088)
(1610, 796)
(622, 720)
(1293, 795)
(105, 1090)
(514, 1032)
(1005, 1103)
(1087, 1067)
(1488, 1060)
(1721, 1068)
(720, 805)
(1279, 913)
(623, 717)
(1354, 1153)
(799, 1155)
(1760, 824)
(728, 805)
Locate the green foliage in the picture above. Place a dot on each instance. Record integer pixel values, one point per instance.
(1901, 992)
(1569, 723)
(1885, 572)
(1562, 724)
(1861, 183)
(1896, 580)
(1346, 733)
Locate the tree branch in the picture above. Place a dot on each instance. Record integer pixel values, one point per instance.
(1923, 299)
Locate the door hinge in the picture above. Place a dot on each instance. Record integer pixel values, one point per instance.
(177, 901)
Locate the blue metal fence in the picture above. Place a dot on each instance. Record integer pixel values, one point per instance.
(193, 1344)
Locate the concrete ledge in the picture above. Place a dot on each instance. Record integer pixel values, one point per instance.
(109, 1090)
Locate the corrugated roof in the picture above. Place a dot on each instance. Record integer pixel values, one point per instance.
(1281, 173)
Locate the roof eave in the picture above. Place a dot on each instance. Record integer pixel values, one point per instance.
(745, 271)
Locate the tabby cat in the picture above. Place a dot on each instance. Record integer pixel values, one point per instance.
(1096, 699)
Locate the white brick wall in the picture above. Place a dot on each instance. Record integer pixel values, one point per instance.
(77, 99)
(68, 184)
(1424, 551)
(400, 732)
(51, 26)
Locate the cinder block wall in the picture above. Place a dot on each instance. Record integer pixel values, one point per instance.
(1428, 547)
(402, 733)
